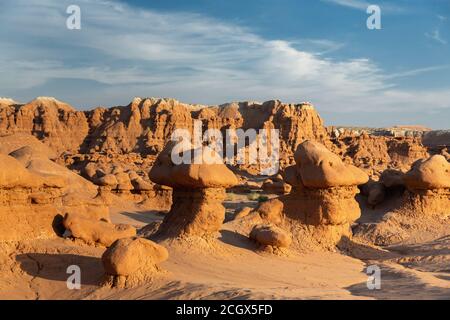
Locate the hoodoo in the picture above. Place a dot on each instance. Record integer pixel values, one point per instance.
(428, 186)
(322, 201)
(198, 192)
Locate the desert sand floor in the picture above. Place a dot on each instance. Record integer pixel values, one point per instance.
(228, 268)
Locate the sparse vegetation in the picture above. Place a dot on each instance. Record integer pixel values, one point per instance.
(254, 196)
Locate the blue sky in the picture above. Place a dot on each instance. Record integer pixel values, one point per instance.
(216, 51)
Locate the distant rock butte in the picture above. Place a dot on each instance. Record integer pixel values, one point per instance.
(135, 134)
(145, 125)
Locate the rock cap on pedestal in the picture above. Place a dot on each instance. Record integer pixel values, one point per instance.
(206, 169)
(431, 173)
(320, 168)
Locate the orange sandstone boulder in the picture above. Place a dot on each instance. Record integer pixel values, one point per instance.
(432, 173)
(131, 261)
(126, 256)
(96, 231)
(269, 235)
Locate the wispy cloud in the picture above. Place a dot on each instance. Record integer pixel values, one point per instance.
(355, 4)
(387, 7)
(124, 52)
(436, 33)
(418, 71)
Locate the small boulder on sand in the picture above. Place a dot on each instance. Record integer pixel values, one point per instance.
(133, 259)
(269, 235)
(125, 256)
(96, 231)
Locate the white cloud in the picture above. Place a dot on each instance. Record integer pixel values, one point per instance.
(355, 4)
(386, 7)
(190, 57)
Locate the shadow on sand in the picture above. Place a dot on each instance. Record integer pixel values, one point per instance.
(237, 240)
(54, 266)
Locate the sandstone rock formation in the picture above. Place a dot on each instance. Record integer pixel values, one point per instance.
(132, 260)
(127, 184)
(428, 186)
(55, 123)
(144, 126)
(437, 138)
(96, 231)
(33, 192)
(276, 185)
(322, 203)
(12, 142)
(424, 210)
(243, 212)
(374, 154)
(268, 235)
(198, 191)
(374, 191)
(391, 178)
(26, 199)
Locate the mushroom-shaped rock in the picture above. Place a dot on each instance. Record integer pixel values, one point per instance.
(320, 168)
(322, 196)
(198, 190)
(428, 186)
(203, 168)
(128, 256)
(96, 231)
(432, 173)
(269, 235)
